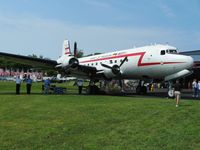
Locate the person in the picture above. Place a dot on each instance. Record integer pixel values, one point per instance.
(152, 87)
(28, 84)
(198, 88)
(195, 88)
(18, 84)
(80, 85)
(47, 86)
(177, 92)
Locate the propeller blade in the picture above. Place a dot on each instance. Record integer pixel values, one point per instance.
(106, 66)
(75, 49)
(123, 61)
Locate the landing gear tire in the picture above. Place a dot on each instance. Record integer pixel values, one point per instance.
(170, 93)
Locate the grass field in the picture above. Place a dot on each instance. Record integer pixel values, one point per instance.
(9, 87)
(96, 122)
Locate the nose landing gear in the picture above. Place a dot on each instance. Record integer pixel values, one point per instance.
(170, 92)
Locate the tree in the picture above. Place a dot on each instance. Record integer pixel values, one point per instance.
(80, 53)
(33, 55)
(41, 57)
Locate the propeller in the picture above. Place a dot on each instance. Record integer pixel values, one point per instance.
(73, 62)
(115, 68)
(75, 49)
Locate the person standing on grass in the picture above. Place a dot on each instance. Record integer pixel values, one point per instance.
(177, 92)
(80, 85)
(198, 89)
(47, 86)
(18, 84)
(195, 88)
(28, 84)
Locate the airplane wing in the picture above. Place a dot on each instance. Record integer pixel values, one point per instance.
(46, 64)
(26, 60)
(83, 71)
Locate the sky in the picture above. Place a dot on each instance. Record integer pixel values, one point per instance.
(40, 26)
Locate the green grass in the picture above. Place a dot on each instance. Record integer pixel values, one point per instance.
(97, 122)
(9, 87)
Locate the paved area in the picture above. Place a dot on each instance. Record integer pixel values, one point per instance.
(185, 94)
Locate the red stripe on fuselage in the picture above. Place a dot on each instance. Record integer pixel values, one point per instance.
(113, 57)
(67, 52)
(140, 64)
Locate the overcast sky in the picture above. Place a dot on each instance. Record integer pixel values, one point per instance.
(40, 26)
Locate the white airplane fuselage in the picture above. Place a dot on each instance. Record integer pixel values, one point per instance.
(148, 62)
(143, 62)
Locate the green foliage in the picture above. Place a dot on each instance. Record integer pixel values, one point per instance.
(97, 122)
(80, 53)
(33, 55)
(10, 64)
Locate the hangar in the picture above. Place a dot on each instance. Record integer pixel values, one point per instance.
(187, 81)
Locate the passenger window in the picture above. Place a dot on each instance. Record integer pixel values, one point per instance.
(111, 61)
(115, 61)
(162, 52)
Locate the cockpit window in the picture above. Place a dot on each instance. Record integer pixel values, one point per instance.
(171, 51)
(162, 52)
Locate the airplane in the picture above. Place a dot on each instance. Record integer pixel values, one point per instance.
(159, 62)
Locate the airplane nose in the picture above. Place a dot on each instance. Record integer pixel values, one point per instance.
(190, 61)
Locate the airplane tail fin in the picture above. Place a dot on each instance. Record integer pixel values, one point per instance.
(66, 48)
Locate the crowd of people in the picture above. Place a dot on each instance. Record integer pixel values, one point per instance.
(29, 82)
(12, 75)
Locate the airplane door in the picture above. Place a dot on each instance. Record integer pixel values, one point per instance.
(162, 59)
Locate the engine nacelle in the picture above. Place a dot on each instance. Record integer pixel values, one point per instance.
(73, 62)
(67, 62)
(109, 73)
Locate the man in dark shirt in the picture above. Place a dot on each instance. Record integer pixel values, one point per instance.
(18, 84)
(28, 84)
(177, 92)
